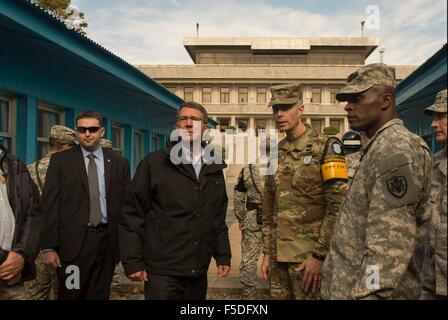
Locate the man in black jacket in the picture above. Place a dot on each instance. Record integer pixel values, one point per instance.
(174, 216)
(82, 200)
(19, 226)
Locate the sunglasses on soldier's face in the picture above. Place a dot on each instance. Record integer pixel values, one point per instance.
(90, 129)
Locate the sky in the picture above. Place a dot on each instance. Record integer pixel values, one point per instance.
(152, 31)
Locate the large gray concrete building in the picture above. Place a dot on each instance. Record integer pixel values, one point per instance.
(231, 76)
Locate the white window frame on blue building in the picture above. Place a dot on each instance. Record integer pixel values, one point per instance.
(43, 130)
(118, 144)
(7, 131)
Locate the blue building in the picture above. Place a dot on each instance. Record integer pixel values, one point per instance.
(49, 73)
(418, 91)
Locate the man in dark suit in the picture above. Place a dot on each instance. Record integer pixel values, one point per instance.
(82, 201)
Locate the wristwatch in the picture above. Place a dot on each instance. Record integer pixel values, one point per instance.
(318, 257)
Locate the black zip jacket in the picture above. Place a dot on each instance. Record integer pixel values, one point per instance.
(173, 223)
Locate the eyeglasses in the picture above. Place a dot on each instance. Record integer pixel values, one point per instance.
(185, 118)
(90, 129)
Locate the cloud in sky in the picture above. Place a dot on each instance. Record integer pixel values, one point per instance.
(152, 31)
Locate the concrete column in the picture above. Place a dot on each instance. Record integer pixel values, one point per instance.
(346, 126)
(232, 121)
(233, 94)
(197, 93)
(252, 123)
(327, 122)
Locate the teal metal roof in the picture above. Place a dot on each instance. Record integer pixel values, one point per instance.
(212, 123)
(421, 85)
(418, 91)
(39, 25)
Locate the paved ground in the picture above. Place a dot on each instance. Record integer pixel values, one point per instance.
(228, 288)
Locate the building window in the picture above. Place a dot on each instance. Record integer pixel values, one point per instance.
(118, 139)
(333, 93)
(261, 95)
(206, 95)
(172, 89)
(316, 96)
(242, 95)
(317, 125)
(224, 123)
(225, 95)
(188, 93)
(242, 124)
(138, 147)
(6, 123)
(47, 116)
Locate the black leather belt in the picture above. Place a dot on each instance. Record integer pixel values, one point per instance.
(99, 228)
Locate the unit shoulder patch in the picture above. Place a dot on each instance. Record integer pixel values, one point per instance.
(397, 186)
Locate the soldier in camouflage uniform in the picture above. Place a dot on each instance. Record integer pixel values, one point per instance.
(299, 208)
(44, 286)
(434, 271)
(351, 141)
(248, 201)
(375, 249)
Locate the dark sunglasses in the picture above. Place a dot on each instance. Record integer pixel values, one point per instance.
(84, 129)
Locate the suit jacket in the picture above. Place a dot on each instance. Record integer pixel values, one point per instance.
(66, 203)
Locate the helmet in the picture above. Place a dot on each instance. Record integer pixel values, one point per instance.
(351, 139)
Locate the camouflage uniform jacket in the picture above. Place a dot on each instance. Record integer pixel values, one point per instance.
(299, 209)
(435, 259)
(38, 173)
(246, 192)
(352, 162)
(376, 247)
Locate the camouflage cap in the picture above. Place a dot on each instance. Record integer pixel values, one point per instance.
(63, 134)
(365, 78)
(286, 94)
(439, 105)
(106, 143)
